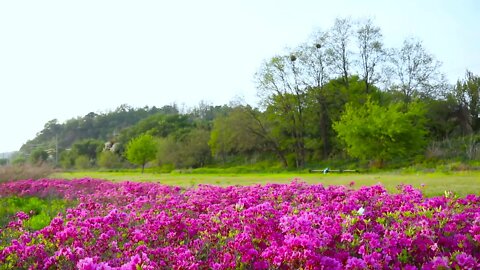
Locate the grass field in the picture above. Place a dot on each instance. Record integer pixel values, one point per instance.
(432, 184)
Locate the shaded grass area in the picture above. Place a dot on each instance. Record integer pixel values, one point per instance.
(432, 184)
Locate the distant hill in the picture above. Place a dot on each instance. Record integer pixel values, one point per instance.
(99, 126)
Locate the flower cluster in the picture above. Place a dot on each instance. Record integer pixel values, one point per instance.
(275, 226)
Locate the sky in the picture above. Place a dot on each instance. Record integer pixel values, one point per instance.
(63, 59)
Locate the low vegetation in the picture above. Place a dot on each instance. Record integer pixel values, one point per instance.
(133, 225)
(460, 183)
(25, 171)
(40, 210)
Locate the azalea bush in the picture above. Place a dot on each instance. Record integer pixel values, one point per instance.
(275, 226)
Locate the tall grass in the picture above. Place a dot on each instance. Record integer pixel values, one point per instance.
(24, 171)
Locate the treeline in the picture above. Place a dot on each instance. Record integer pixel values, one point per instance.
(342, 95)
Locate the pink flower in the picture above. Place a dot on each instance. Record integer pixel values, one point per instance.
(466, 261)
(355, 263)
(21, 215)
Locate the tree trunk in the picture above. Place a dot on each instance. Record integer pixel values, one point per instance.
(324, 132)
(345, 76)
(282, 158)
(367, 86)
(300, 151)
(323, 125)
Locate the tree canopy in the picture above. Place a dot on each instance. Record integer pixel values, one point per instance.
(141, 150)
(380, 133)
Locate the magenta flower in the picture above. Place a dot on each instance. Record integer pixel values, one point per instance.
(151, 226)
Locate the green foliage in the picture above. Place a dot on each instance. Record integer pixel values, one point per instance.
(194, 148)
(168, 152)
(221, 139)
(82, 155)
(241, 140)
(467, 93)
(441, 121)
(108, 160)
(466, 148)
(87, 147)
(203, 114)
(189, 151)
(41, 211)
(287, 102)
(82, 162)
(19, 160)
(38, 156)
(159, 125)
(97, 126)
(3, 161)
(67, 159)
(264, 167)
(382, 133)
(141, 150)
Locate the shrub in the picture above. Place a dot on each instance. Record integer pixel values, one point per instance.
(82, 162)
(108, 160)
(3, 161)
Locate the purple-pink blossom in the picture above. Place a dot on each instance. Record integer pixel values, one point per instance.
(131, 225)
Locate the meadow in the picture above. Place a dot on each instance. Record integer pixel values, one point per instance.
(432, 184)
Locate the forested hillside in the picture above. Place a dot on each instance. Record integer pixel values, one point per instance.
(340, 96)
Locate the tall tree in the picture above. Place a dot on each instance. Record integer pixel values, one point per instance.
(282, 89)
(232, 134)
(168, 152)
(315, 61)
(87, 147)
(268, 133)
(416, 72)
(369, 40)
(339, 49)
(442, 117)
(38, 156)
(194, 148)
(141, 150)
(467, 93)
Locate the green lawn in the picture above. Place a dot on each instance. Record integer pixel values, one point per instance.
(435, 184)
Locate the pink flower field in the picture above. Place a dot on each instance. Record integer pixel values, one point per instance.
(134, 225)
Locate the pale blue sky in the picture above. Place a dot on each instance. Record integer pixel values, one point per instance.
(63, 59)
